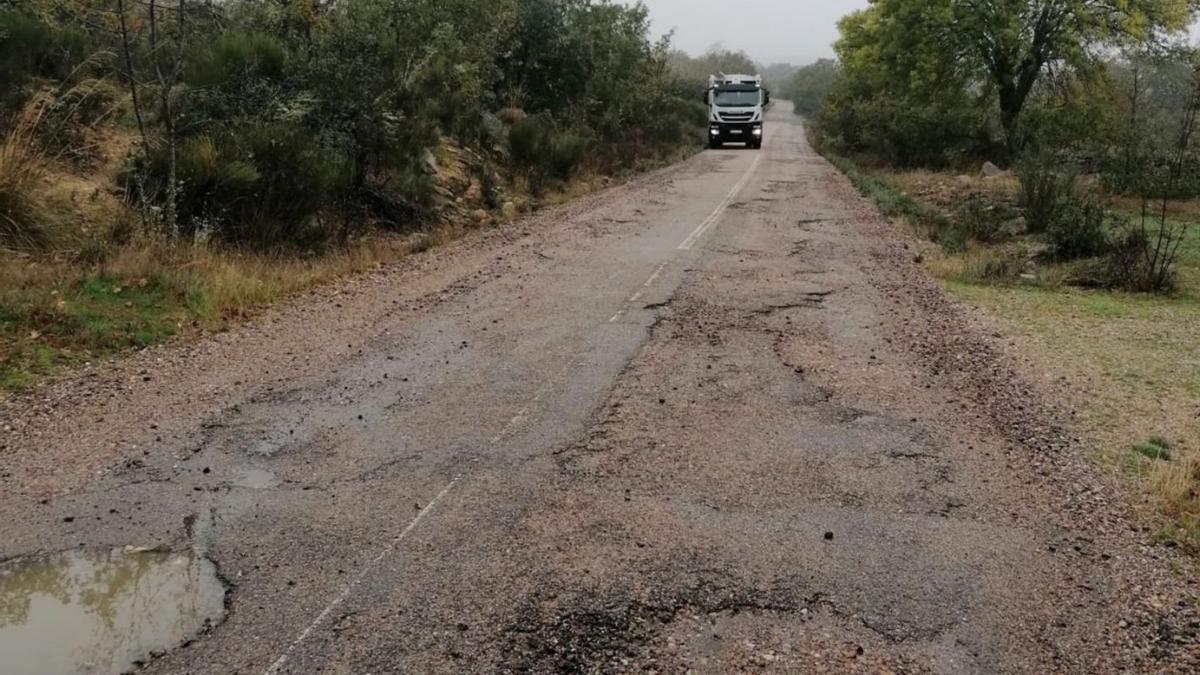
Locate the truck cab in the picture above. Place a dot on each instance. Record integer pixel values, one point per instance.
(736, 109)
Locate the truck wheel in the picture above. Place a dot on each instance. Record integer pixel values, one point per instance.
(757, 145)
(714, 144)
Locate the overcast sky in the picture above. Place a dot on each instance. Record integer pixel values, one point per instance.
(795, 31)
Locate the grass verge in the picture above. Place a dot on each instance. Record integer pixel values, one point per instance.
(58, 312)
(1132, 361)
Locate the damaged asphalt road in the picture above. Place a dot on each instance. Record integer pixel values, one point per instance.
(715, 420)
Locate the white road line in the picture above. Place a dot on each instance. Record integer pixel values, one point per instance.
(358, 579)
(720, 210)
(657, 273)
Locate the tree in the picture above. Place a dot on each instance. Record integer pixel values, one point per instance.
(997, 49)
(810, 84)
(899, 92)
(1014, 41)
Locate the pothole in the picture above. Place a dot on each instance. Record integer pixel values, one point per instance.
(102, 611)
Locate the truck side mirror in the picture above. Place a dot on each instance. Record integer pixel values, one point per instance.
(766, 96)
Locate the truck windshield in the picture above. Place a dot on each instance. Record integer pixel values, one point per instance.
(736, 99)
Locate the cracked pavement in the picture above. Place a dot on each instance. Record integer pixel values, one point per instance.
(582, 444)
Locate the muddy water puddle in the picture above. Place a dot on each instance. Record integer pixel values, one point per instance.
(102, 611)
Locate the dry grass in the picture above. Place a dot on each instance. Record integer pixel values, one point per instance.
(22, 171)
(949, 191)
(55, 313)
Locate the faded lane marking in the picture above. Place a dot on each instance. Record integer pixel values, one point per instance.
(358, 579)
(638, 295)
(695, 235)
(720, 210)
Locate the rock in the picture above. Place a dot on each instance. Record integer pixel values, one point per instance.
(509, 210)
(429, 163)
(991, 170)
(480, 215)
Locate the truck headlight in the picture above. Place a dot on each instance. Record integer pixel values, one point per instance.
(715, 132)
(757, 132)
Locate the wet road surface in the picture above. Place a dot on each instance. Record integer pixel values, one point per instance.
(716, 420)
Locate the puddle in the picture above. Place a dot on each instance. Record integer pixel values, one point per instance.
(255, 479)
(101, 611)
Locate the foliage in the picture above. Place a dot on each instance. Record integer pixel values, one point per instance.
(897, 95)
(1045, 189)
(983, 222)
(971, 68)
(1079, 229)
(276, 123)
(809, 86)
(264, 185)
(33, 49)
(693, 72)
(1143, 260)
(1011, 43)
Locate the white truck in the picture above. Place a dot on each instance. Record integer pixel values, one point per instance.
(737, 107)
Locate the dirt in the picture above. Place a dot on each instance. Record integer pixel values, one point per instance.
(581, 444)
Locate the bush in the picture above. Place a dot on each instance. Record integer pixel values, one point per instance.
(263, 185)
(566, 152)
(985, 223)
(536, 146)
(1138, 264)
(527, 142)
(31, 48)
(1045, 189)
(1078, 229)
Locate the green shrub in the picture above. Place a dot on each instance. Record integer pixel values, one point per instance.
(535, 145)
(566, 151)
(31, 48)
(237, 58)
(528, 141)
(262, 185)
(1045, 188)
(977, 220)
(1078, 229)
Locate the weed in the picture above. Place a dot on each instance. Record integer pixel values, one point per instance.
(1155, 448)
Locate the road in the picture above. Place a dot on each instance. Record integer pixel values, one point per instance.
(714, 420)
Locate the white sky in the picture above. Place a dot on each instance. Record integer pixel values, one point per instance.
(795, 31)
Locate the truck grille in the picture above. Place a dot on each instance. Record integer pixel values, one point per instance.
(736, 117)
